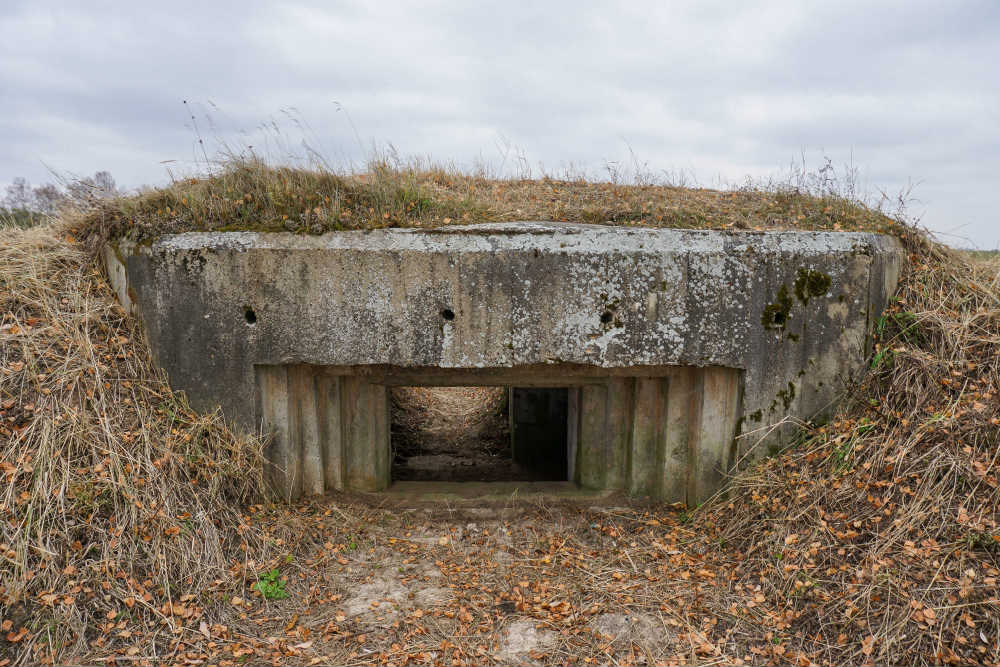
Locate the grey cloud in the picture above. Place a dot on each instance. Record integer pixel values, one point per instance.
(904, 89)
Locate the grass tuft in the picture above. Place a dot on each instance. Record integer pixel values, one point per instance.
(248, 194)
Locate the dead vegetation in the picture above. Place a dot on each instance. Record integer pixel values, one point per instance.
(118, 501)
(878, 538)
(135, 531)
(249, 195)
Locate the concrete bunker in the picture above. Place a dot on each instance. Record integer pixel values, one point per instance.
(675, 356)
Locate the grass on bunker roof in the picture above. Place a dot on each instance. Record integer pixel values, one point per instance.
(134, 530)
(247, 194)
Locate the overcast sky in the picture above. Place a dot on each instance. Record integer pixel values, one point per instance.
(907, 92)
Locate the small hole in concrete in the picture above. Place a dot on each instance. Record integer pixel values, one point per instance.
(606, 317)
(448, 314)
(251, 317)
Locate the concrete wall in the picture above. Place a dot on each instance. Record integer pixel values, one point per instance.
(788, 313)
(669, 436)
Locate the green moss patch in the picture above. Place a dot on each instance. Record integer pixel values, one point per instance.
(775, 315)
(811, 283)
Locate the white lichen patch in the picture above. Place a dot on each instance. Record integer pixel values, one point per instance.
(384, 596)
(521, 639)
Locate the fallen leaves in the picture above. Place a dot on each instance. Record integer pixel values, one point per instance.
(830, 561)
(19, 635)
(923, 614)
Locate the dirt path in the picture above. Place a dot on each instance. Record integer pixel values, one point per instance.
(513, 584)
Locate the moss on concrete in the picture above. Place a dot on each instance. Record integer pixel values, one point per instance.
(811, 283)
(775, 315)
(784, 398)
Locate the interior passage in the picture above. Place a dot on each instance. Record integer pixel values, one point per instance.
(463, 434)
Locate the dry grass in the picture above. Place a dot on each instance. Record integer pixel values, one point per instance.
(117, 498)
(879, 538)
(128, 529)
(250, 195)
(988, 258)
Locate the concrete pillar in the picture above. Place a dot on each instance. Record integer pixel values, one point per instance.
(328, 432)
(572, 430)
(304, 427)
(647, 444)
(603, 436)
(714, 431)
(682, 434)
(282, 452)
(619, 409)
(591, 465)
(682, 404)
(365, 419)
(328, 400)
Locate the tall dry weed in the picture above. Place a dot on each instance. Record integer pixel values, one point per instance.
(117, 500)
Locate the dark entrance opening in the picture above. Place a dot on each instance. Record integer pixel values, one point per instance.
(539, 420)
(479, 434)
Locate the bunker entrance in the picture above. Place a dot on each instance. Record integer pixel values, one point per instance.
(479, 434)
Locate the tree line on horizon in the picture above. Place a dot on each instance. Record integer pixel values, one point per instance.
(24, 206)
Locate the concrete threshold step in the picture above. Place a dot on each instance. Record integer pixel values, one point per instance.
(491, 491)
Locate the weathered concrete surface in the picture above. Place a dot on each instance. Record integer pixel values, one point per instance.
(674, 337)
